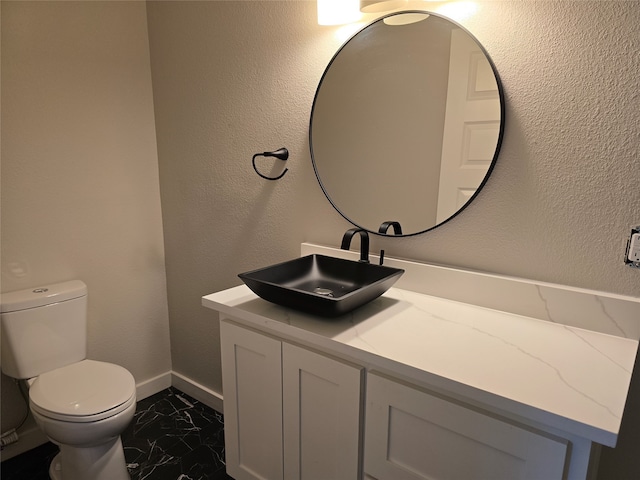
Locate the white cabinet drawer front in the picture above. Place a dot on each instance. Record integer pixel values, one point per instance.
(411, 435)
(252, 382)
(321, 401)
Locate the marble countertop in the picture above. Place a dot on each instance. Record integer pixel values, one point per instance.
(555, 375)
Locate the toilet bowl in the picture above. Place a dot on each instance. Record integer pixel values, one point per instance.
(83, 408)
(81, 405)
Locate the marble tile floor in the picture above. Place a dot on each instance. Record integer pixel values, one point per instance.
(172, 437)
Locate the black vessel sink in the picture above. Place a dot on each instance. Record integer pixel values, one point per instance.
(321, 285)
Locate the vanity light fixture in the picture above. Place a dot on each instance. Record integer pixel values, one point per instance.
(281, 154)
(338, 12)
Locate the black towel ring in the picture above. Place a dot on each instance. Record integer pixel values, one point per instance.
(281, 153)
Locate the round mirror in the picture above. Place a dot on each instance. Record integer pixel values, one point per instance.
(406, 123)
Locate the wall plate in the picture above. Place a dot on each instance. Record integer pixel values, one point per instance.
(632, 255)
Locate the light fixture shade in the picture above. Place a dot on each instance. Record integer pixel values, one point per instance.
(377, 6)
(338, 12)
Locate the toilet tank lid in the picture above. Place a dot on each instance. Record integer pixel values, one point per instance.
(40, 296)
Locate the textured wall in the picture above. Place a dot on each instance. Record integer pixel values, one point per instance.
(80, 190)
(564, 193)
(234, 78)
(230, 79)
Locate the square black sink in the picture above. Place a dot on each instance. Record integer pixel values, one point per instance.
(321, 285)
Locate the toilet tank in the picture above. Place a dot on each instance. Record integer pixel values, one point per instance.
(43, 328)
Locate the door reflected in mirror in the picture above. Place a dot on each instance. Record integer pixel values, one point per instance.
(406, 123)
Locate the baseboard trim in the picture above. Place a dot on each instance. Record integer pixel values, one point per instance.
(153, 385)
(198, 391)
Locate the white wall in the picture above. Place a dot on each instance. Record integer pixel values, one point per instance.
(80, 190)
(231, 78)
(564, 194)
(234, 78)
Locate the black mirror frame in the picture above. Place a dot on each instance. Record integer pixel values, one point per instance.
(498, 142)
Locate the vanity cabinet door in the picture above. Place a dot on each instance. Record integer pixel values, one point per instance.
(289, 413)
(321, 400)
(252, 382)
(411, 435)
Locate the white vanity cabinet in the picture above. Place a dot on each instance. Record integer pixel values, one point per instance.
(415, 435)
(413, 386)
(293, 413)
(290, 413)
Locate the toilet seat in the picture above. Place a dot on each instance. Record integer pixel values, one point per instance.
(86, 391)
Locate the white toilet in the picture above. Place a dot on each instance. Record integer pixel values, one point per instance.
(81, 405)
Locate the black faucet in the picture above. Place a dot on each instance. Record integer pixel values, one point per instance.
(364, 242)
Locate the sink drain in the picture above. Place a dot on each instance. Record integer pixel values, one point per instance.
(323, 291)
